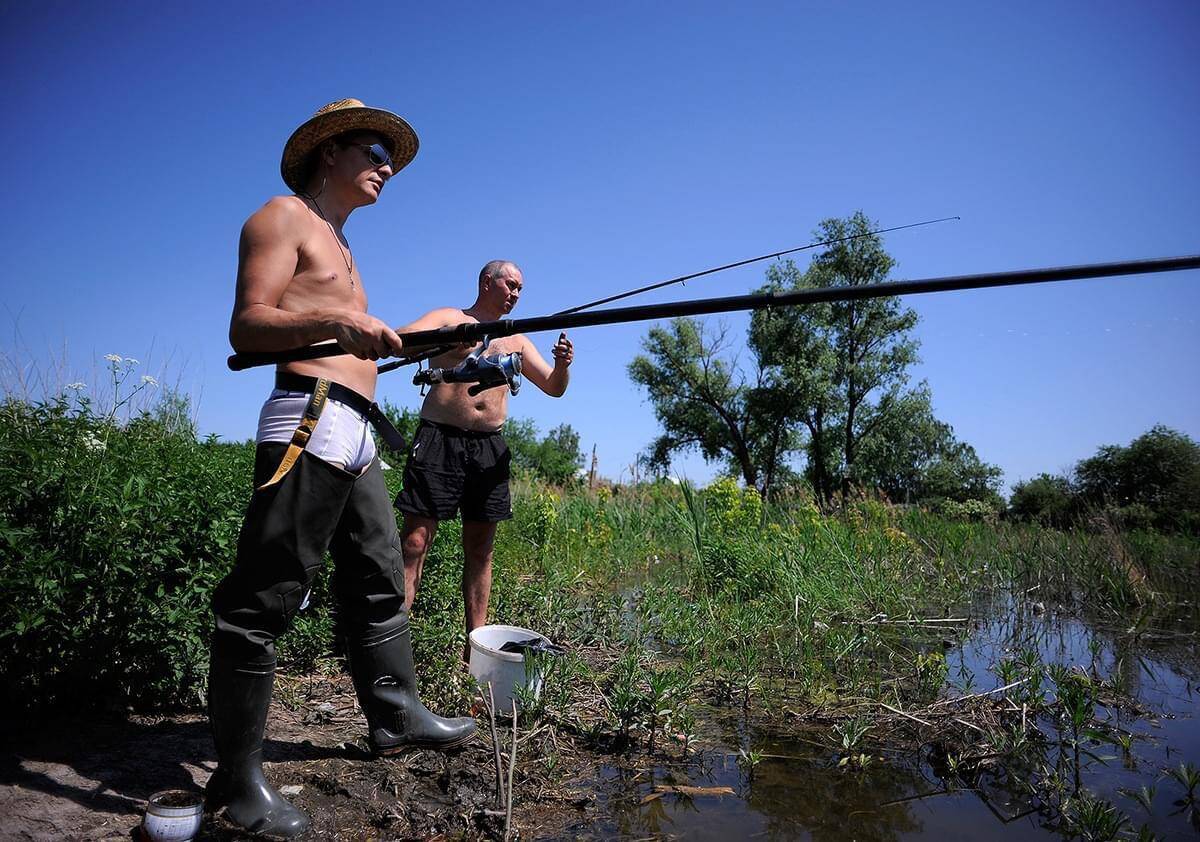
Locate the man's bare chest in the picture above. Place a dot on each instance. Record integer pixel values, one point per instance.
(326, 275)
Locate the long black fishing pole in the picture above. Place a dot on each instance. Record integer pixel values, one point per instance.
(682, 278)
(474, 331)
(441, 349)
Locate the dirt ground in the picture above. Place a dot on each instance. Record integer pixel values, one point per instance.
(89, 777)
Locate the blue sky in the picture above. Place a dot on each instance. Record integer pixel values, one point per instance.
(607, 146)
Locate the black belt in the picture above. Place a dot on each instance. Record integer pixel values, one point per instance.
(364, 406)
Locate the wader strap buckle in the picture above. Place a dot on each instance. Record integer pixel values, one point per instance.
(312, 414)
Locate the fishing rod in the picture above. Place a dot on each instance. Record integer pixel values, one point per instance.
(441, 349)
(750, 260)
(474, 331)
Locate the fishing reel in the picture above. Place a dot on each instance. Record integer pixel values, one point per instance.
(484, 372)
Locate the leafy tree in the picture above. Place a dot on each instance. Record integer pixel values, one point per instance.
(1154, 482)
(1047, 499)
(1159, 470)
(555, 458)
(830, 377)
(845, 362)
(913, 457)
(521, 435)
(704, 401)
(403, 419)
(171, 413)
(959, 474)
(558, 455)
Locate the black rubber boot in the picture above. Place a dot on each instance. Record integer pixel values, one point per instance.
(386, 684)
(238, 699)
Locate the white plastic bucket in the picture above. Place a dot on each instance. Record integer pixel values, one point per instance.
(505, 670)
(172, 815)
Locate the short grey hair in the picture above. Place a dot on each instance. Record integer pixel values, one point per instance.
(494, 267)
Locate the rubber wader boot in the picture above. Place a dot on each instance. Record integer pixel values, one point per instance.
(386, 684)
(238, 699)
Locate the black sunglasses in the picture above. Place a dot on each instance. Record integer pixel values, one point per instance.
(376, 153)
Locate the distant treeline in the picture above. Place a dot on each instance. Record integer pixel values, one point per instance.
(1154, 482)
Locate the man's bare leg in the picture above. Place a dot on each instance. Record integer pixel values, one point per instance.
(478, 540)
(415, 541)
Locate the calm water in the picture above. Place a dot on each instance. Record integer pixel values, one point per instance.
(800, 794)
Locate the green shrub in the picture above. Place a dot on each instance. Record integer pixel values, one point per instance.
(731, 509)
(975, 510)
(112, 539)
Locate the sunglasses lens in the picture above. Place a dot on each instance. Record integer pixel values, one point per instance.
(379, 156)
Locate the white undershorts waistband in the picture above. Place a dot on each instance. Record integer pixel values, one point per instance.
(342, 436)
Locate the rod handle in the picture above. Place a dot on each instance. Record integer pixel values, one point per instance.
(252, 359)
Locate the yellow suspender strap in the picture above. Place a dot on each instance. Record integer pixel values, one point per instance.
(312, 414)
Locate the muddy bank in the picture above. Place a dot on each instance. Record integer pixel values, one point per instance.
(89, 777)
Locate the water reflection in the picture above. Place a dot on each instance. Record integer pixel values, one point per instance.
(797, 791)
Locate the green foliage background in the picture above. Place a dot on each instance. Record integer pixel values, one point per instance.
(1154, 482)
(113, 534)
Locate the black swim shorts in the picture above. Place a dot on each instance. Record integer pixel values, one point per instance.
(449, 468)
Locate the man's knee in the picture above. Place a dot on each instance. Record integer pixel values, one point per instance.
(248, 621)
(415, 542)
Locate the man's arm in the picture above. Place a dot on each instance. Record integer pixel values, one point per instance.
(441, 317)
(552, 381)
(267, 259)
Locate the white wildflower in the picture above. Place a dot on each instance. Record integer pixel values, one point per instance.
(92, 443)
(131, 362)
(148, 380)
(113, 358)
(76, 386)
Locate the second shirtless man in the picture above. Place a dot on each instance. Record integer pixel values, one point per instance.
(458, 457)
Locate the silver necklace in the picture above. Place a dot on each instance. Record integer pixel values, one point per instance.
(347, 255)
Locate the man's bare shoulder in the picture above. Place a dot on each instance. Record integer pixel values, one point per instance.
(441, 317)
(280, 216)
(447, 316)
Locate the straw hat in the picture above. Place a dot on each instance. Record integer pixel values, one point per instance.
(345, 115)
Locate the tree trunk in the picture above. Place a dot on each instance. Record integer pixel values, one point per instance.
(820, 477)
(772, 461)
(749, 472)
(851, 403)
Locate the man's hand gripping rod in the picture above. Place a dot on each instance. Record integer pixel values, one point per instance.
(474, 331)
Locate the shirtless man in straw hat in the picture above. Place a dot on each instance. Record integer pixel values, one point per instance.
(318, 484)
(459, 459)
